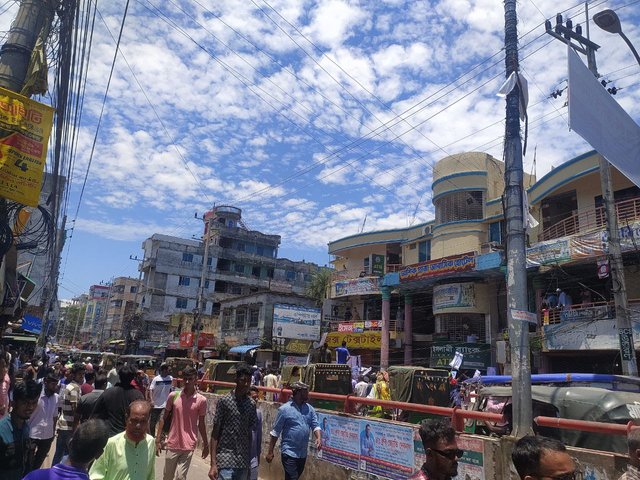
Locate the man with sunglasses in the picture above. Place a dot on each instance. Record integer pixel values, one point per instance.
(441, 450)
(542, 458)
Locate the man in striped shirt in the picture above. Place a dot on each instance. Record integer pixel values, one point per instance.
(69, 398)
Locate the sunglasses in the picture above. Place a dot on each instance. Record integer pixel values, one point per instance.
(453, 454)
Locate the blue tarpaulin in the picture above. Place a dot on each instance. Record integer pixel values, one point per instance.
(242, 348)
(32, 324)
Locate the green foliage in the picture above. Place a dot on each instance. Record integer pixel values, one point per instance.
(318, 288)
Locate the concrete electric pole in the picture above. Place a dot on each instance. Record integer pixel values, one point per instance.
(201, 304)
(515, 233)
(566, 34)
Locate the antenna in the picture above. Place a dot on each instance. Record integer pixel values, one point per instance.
(363, 223)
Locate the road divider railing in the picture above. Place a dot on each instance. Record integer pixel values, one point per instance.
(586, 426)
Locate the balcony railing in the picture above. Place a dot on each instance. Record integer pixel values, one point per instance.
(584, 220)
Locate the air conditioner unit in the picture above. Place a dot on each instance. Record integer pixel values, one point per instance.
(428, 230)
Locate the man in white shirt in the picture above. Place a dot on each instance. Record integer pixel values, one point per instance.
(160, 389)
(271, 380)
(43, 420)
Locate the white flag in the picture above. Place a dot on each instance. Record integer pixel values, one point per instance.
(597, 117)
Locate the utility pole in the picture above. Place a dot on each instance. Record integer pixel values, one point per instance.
(137, 310)
(201, 304)
(515, 233)
(566, 34)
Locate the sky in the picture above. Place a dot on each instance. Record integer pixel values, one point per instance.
(320, 119)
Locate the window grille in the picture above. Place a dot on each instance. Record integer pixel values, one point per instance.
(459, 206)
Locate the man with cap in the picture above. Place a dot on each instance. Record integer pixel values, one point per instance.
(294, 421)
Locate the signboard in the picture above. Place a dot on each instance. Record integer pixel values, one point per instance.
(471, 464)
(627, 351)
(293, 321)
(581, 335)
(357, 286)
(377, 264)
(441, 266)
(475, 355)
(206, 340)
(524, 316)
(551, 251)
(291, 345)
(294, 360)
(186, 339)
(359, 327)
(365, 340)
(32, 324)
(383, 449)
(23, 151)
(453, 296)
(600, 312)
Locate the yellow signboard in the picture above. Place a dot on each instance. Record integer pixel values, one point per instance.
(25, 125)
(364, 340)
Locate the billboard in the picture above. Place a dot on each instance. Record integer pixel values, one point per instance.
(293, 321)
(441, 266)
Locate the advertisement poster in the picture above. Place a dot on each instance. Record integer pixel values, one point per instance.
(455, 295)
(441, 266)
(340, 443)
(551, 251)
(474, 355)
(386, 449)
(366, 340)
(292, 321)
(377, 264)
(357, 286)
(471, 464)
(23, 150)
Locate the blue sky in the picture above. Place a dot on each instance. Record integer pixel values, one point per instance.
(309, 115)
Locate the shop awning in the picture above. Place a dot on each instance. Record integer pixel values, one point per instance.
(242, 349)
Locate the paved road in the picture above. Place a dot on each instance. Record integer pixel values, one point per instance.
(199, 469)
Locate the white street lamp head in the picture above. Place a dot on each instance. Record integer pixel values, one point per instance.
(608, 21)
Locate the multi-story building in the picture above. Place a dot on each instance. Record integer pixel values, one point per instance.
(449, 293)
(240, 262)
(123, 302)
(95, 313)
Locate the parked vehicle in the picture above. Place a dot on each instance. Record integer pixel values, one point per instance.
(327, 378)
(177, 365)
(220, 370)
(108, 360)
(143, 362)
(420, 385)
(575, 403)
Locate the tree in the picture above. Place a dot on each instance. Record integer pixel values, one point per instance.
(318, 288)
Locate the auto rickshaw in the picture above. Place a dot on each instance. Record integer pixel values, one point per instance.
(575, 403)
(108, 360)
(420, 385)
(177, 365)
(327, 378)
(220, 370)
(147, 363)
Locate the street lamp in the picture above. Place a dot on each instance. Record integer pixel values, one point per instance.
(608, 21)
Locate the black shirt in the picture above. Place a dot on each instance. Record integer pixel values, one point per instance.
(112, 406)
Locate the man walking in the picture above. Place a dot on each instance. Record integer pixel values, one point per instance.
(129, 455)
(187, 412)
(112, 404)
(541, 457)
(42, 424)
(441, 450)
(88, 402)
(69, 400)
(271, 381)
(87, 443)
(633, 469)
(159, 390)
(294, 421)
(231, 433)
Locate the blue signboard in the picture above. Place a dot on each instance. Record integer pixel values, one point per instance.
(32, 324)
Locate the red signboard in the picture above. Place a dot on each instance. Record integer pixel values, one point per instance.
(440, 266)
(186, 339)
(206, 340)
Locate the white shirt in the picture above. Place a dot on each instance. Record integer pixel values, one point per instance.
(161, 388)
(361, 389)
(41, 422)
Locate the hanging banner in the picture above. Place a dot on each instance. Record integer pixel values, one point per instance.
(551, 251)
(475, 355)
(377, 264)
(23, 151)
(186, 339)
(453, 296)
(441, 266)
(293, 321)
(357, 286)
(366, 340)
(603, 268)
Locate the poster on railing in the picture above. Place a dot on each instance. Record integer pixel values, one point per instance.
(471, 464)
(386, 449)
(340, 440)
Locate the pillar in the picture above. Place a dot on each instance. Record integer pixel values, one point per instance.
(408, 329)
(386, 315)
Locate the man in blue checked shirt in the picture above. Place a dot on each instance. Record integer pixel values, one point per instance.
(294, 422)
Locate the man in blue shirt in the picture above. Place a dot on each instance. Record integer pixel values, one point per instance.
(342, 353)
(294, 421)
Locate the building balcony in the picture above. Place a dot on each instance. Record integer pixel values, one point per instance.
(586, 220)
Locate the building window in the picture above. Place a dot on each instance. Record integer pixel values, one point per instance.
(116, 303)
(206, 284)
(424, 251)
(254, 314)
(241, 316)
(495, 232)
(187, 257)
(240, 247)
(226, 320)
(133, 289)
(459, 206)
(239, 268)
(210, 261)
(236, 289)
(181, 302)
(184, 281)
(291, 275)
(260, 250)
(255, 271)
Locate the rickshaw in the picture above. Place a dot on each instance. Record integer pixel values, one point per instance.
(420, 385)
(220, 370)
(575, 403)
(108, 360)
(327, 378)
(147, 363)
(177, 365)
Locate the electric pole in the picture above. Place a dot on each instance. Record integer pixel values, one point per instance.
(566, 34)
(515, 233)
(201, 304)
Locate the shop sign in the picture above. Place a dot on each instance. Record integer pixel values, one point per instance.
(357, 286)
(294, 360)
(206, 340)
(454, 295)
(441, 266)
(293, 321)
(603, 268)
(580, 335)
(186, 339)
(627, 350)
(475, 355)
(551, 251)
(26, 126)
(600, 312)
(365, 340)
(377, 264)
(292, 345)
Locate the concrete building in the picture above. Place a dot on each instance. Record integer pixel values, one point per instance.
(123, 302)
(96, 313)
(240, 262)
